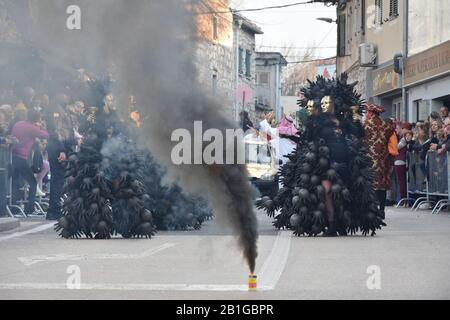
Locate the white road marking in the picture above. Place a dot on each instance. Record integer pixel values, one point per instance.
(28, 261)
(34, 230)
(129, 287)
(268, 275)
(275, 263)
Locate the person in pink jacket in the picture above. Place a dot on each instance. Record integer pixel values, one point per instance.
(26, 132)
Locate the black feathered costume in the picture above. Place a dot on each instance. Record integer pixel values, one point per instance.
(331, 149)
(114, 187)
(173, 210)
(104, 194)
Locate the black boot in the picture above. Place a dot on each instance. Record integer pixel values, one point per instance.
(341, 230)
(331, 231)
(381, 195)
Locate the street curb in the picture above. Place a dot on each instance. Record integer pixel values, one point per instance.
(7, 224)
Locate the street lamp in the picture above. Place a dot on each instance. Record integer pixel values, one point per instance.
(328, 20)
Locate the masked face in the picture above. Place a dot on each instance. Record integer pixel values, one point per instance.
(109, 100)
(310, 107)
(327, 104)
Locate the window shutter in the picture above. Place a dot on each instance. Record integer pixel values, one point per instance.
(248, 64)
(341, 35)
(241, 60)
(393, 8)
(378, 12)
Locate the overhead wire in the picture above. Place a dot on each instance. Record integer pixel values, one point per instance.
(258, 9)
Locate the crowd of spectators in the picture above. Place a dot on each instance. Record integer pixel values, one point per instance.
(37, 132)
(417, 140)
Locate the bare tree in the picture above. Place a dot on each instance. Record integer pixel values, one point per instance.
(302, 66)
(298, 70)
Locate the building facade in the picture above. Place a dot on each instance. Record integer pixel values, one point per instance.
(427, 68)
(268, 82)
(215, 51)
(226, 56)
(245, 32)
(398, 52)
(370, 34)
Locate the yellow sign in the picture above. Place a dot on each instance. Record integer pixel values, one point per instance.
(385, 80)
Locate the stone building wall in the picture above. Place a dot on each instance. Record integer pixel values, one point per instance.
(247, 42)
(215, 61)
(215, 55)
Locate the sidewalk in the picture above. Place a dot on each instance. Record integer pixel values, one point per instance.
(7, 223)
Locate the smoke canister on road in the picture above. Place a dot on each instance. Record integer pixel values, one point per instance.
(252, 282)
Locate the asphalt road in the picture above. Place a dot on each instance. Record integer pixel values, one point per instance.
(410, 259)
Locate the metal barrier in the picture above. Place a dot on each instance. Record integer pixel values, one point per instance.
(6, 160)
(6, 205)
(5, 157)
(416, 181)
(438, 179)
(427, 179)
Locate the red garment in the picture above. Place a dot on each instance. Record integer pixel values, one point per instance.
(374, 108)
(400, 172)
(377, 137)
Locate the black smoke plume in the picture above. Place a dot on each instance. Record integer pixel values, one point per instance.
(151, 47)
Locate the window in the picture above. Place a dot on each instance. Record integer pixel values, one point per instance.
(263, 78)
(241, 61)
(423, 110)
(341, 36)
(378, 18)
(393, 9)
(417, 105)
(214, 84)
(215, 28)
(248, 63)
(397, 110)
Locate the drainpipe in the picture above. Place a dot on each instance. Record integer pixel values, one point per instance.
(236, 79)
(277, 91)
(405, 56)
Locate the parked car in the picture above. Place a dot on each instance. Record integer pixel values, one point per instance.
(262, 167)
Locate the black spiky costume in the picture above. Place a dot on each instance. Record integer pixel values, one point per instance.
(331, 149)
(103, 192)
(114, 187)
(173, 210)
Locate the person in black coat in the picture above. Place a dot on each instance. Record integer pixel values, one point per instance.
(60, 142)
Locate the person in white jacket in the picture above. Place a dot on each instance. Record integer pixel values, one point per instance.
(282, 139)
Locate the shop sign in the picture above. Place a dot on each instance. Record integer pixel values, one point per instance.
(385, 80)
(428, 64)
